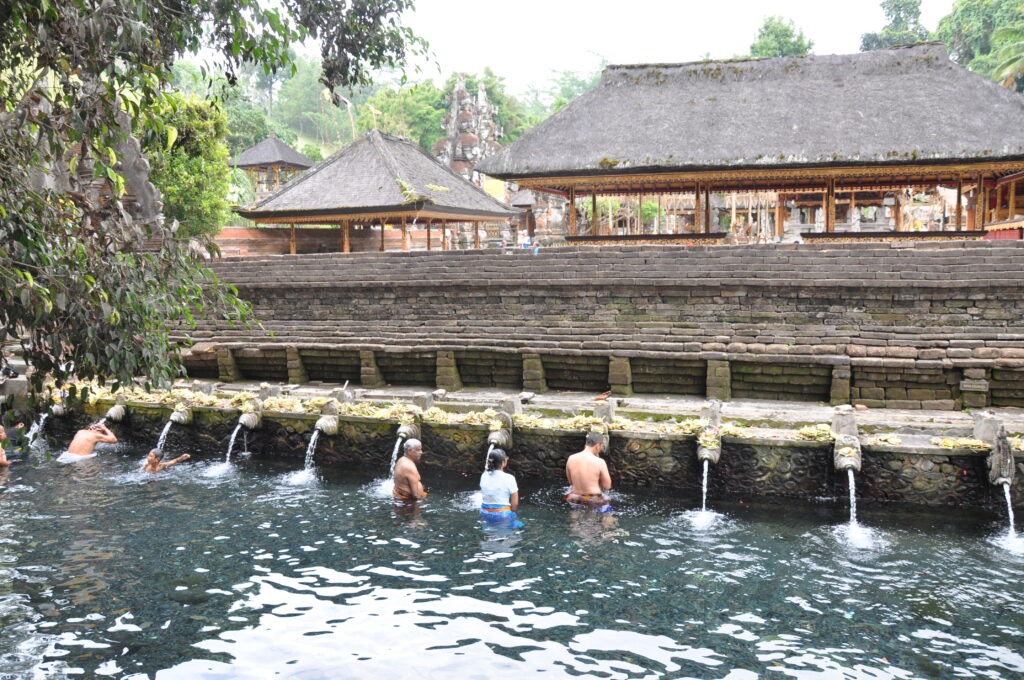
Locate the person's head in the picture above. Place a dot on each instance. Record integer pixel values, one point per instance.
(595, 441)
(412, 449)
(155, 456)
(498, 459)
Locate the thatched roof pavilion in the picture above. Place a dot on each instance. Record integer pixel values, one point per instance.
(872, 122)
(271, 163)
(378, 179)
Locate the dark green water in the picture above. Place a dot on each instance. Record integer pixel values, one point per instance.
(252, 571)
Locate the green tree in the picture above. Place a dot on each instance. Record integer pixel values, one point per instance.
(189, 157)
(904, 27)
(779, 37)
(1010, 69)
(75, 280)
(568, 85)
(312, 152)
(411, 112)
(513, 117)
(975, 30)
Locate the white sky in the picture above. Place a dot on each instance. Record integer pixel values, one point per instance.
(529, 41)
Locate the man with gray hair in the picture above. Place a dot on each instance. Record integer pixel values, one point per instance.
(408, 488)
(588, 473)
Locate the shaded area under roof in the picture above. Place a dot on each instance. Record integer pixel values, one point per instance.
(377, 176)
(271, 151)
(886, 107)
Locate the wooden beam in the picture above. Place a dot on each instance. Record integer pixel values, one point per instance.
(595, 224)
(698, 209)
(476, 235)
(429, 223)
(291, 240)
(444, 234)
(1011, 203)
(707, 208)
(382, 236)
(346, 247)
(780, 212)
(405, 234)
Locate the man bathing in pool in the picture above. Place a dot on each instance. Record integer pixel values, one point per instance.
(408, 487)
(85, 441)
(588, 473)
(155, 461)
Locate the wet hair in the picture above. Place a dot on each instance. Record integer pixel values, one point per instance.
(158, 453)
(411, 444)
(595, 438)
(495, 459)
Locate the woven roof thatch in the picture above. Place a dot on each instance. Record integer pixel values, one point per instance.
(886, 107)
(378, 175)
(271, 151)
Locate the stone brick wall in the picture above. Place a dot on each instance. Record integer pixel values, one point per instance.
(924, 325)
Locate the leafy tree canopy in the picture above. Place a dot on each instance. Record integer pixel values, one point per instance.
(778, 37)
(904, 27)
(76, 281)
(977, 33)
(412, 112)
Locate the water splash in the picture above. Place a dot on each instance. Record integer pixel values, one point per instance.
(1009, 509)
(394, 458)
(163, 436)
(36, 431)
(853, 497)
(231, 444)
(311, 450)
(704, 489)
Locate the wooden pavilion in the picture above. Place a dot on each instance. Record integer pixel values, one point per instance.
(375, 182)
(270, 164)
(837, 130)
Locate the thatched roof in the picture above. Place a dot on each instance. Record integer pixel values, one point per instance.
(378, 175)
(887, 107)
(271, 151)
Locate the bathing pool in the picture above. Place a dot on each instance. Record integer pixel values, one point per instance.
(256, 570)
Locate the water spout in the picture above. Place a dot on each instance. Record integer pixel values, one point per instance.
(487, 458)
(408, 431)
(250, 421)
(327, 424)
(231, 444)
(704, 488)
(118, 411)
(1000, 460)
(311, 449)
(853, 496)
(182, 415)
(36, 431)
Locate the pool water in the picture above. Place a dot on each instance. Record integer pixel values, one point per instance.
(257, 570)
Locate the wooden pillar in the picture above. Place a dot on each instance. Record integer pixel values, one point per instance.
(382, 236)
(595, 224)
(707, 208)
(852, 207)
(732, 211)
(405, 234)
(291, 239)
(1011, 208)
(899, 213)
(780, 215)
(698, 210)
(444, 234)
(959, 203)
(476, 235)
(983, 212)
(346, 247)
(999, 203)
(572, 211)
(830, 206)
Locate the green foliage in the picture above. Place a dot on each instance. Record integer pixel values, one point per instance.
(904, 27)
(650, 210)
(411, 112)
(1010, 69)
(312, 152)
(247, 126)
(980, 34)
(192, 170)
(778, 37)
(568, 85)
(75, 280)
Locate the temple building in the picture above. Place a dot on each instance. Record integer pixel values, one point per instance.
(807, 137)
(270, 164)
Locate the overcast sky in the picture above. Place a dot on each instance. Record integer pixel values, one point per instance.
(529, 41)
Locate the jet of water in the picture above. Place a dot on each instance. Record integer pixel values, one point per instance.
(704, 489)
(853, 497)
(311, 449)
(1009, 508)
(231, 444)
(163, 436)
(394, 457)
(487, 460)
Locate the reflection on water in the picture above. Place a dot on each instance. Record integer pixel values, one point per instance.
(254, 569)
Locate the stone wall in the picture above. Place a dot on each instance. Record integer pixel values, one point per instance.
(923, 325)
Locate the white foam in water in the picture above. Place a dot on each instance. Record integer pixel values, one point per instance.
(382, 488)
(304, 477)
(701, 519)
(218, 469)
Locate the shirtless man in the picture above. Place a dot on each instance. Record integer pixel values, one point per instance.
(588, 473)
(85, 441)
(155, 461)
(408, 487)
(3, 456)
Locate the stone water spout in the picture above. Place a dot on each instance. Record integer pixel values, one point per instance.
(1000, 461)
(709, 440)
(251, 420)
(408, 431)
(118, 411)
(846, 453)
(501, 438)
(327, 424)
(182, 414)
